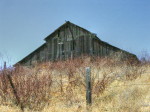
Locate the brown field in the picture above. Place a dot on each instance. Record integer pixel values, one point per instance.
(117, 86)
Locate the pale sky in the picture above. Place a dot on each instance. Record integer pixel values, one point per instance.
(25, 23)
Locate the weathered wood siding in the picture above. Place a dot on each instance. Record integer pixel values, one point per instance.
(71, 41)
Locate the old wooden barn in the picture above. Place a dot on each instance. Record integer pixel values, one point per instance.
(69, 41)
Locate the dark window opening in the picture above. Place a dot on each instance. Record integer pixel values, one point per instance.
(73, 47)
(62, 49)
(58, 33)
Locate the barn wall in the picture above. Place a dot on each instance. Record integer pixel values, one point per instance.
(62, 46)
(70, 41)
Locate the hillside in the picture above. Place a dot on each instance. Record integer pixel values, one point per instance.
(117, 86)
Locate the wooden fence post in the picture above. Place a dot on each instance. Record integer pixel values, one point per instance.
(88, 86)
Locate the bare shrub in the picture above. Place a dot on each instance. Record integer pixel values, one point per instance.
(32, 89)
(133, 72)
(101, 85)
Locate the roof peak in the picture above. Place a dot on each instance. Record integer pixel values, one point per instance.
(66, 22)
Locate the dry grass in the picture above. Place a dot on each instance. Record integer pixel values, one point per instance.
(60, 87)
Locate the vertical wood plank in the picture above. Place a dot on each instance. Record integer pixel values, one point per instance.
(88, 86)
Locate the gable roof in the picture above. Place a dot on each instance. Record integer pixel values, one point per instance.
(66, 24)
